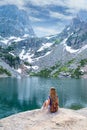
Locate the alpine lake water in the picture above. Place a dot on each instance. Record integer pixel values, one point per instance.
(28, 93)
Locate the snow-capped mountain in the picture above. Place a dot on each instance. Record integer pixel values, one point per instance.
(76, 33)
(14, 22)
(68, 45)
(48, 51)
(37, 54)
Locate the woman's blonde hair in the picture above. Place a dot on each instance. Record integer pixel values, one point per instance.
(53, 92)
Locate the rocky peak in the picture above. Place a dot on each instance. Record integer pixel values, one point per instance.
(14, 22)
(76, 21)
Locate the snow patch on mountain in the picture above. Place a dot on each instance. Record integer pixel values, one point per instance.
(68, 28)
(4, 41)
(64, 41)
(11, 54)
(19, 70)
(44, 46)
(37, 59)
(26, 56)
(9, 40)
(69, 49)
(51, 36)
(35, 67)
(22, 53)
(48, 53)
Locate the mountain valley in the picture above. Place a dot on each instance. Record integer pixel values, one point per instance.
(60, 55)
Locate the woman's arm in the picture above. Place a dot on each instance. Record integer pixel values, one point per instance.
(46, 103)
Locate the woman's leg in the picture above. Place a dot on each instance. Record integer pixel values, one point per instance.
(45, 104)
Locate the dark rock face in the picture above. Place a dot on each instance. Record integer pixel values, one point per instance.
(14, 22)
(78, 37)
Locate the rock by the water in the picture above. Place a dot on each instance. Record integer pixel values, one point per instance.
(64, 119)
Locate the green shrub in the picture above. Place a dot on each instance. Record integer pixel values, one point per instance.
(64, 69)
(57, 41)
(76, 73)
(4, 71)
(42, 73)
(70, 62)
(83, 62)
(27, 63)
(55, 75)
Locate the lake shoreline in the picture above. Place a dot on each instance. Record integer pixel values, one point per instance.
(3, 76)
(43, 120)
(6, 76)
(84, 76)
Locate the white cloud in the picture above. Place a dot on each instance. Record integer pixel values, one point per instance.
(73, 4)
(47, 2)
(72, 11)
(77, 4)
(34, 19)
(34, 2)
(44, 31)
(19, 3)
(60, 16)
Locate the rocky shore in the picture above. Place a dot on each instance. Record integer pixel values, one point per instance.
(64, 119)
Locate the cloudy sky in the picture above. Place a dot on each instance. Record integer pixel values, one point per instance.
(50, 16)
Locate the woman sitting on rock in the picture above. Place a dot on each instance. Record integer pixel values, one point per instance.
(52, 102)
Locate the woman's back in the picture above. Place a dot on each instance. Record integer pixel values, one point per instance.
(53, 100)
(53, 104)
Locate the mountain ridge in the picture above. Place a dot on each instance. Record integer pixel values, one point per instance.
(37, 54)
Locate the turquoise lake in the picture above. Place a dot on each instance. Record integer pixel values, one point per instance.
(21, 94)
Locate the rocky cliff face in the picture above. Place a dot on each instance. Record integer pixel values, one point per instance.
(70, 44)
(14, 22)
(79, 34)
